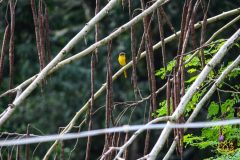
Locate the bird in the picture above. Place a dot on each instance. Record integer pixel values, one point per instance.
(122, 61)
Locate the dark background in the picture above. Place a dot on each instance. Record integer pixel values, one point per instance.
(53, 105)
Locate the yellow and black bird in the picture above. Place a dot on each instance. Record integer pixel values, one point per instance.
(122, 61)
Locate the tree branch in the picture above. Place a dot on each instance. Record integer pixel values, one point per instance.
(42, 75)
(156, 46)
(191, 91)
(194, 114)
(134, 136)
(99, 92)
(214, 36)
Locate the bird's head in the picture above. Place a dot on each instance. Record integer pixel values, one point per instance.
(122, 53)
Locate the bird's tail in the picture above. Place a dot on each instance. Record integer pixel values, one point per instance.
(125, 73)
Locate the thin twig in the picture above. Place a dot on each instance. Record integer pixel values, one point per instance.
(3, 51)
(156, 46)
(191, 91)
(138, 132)
(204, 100)
(213, 36)
(11, 43)
(203, 31)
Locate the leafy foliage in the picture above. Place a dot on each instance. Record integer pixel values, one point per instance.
(162, 73)
(163, 110)
(66, 91)
(198, 141)
(221, 105)
(213, 109)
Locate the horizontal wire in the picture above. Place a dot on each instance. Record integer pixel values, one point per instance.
(125, 128)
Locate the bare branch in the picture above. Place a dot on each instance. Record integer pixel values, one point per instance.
(214, 36)
(3, 51)
(204, 100)
(11, 42)
(203, 31)
(126, 128)
(134, 136)
(57, 59)
(156, 46)
(191, 91)
(83, 109)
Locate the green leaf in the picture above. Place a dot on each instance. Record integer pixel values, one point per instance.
(235, 72)
(213, 109)
(189, 139)
(162, 73)
(227, 105)
(192, 70)
(195, 62)
(211, 133)
(163, 110)
(192, 79)
(198, 141)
